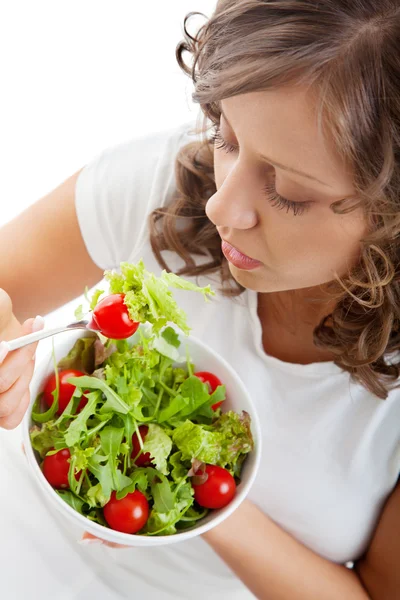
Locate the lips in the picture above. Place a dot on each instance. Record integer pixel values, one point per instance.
(238, 259)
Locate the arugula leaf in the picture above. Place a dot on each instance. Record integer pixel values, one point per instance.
(113, 402)
(163, 496)
(171, 337)
(73, 500)
(218, 395)
(108, 475)
(139, 480)
(43, 417)
(166, 349)
(174, 407)
(193, 399)
(79, 424)
(165, 522)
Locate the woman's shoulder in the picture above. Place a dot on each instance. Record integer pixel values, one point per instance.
(119, 187)
(160, 145)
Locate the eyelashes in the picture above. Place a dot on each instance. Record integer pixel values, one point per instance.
(275, 199)
(281, 203)
(220, 143)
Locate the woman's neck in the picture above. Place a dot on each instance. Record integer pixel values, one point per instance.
(288, 320)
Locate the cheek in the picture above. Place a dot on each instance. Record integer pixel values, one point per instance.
(309, 250)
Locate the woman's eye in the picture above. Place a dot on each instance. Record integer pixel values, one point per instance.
(220, 143)
(281, 203)
(276, 200)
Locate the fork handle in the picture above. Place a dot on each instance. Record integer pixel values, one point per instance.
(31, 338)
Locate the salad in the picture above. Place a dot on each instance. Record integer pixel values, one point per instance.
(128, 432)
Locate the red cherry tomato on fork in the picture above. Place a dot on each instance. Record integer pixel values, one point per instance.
(144, 459)
(111, 318)
(212, 381)
(128, 515)
(217, 491)
(56, 468)
(65, 392)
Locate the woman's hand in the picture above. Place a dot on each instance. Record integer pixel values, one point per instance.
(88, 538)
(16, 368)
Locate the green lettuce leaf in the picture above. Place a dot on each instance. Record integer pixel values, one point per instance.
(95, 496)
(148, 297)
(224, 445)
(159, 445)
(194, 441)
(45, 438)
(178, 470)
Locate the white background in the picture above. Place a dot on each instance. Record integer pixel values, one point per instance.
(80, 75)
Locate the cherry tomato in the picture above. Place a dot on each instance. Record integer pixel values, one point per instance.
(112, 319)
(128, 515)
(218, 490)
(212, 381)
(144, 460)
(66, 390)
(56, 467)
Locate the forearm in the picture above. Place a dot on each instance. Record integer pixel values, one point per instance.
(275, 566)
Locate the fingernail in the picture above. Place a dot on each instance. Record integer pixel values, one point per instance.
(37, 324)
(89, 541)
(3, 351)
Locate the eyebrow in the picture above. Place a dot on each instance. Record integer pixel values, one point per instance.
(279, 165)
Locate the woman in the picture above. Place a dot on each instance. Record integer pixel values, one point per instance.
(294, 207)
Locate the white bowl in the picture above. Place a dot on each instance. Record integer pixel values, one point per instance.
(204, 359)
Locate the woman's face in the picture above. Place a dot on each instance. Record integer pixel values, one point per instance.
(276, 183)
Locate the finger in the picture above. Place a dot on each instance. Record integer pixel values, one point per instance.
(15, 362)
(15, 419)
(5, 309)
(88, 538)
(15, 401)
(29, 326)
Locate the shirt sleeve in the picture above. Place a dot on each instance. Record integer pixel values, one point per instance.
(119, 188)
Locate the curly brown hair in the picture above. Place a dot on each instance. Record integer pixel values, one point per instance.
(346, 52)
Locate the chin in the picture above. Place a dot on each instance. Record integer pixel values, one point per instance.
(255, 280)
(262, 281)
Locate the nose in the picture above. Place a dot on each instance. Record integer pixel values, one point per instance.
(232, 205)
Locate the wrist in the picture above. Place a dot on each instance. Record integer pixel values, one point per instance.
(231, 526)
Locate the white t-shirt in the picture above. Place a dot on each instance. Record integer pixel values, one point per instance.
(331, 451)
